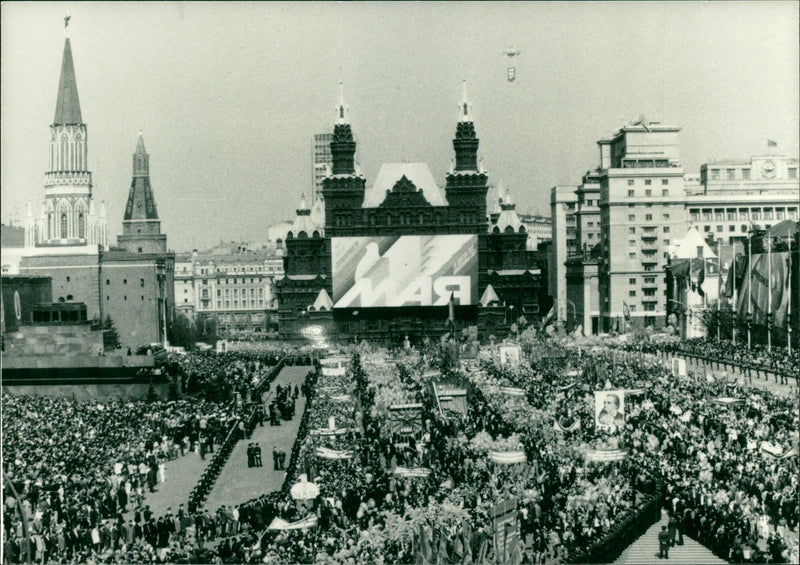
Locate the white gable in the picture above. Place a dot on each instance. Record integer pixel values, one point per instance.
(417, 173)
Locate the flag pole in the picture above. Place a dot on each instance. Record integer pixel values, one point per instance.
(734, 305)
(719, 297)
(749, 283)
(769, 293)
(789, 303)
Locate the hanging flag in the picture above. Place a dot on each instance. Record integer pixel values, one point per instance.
(771, 143)
(452, 306)
(626, 311)
(701, 277)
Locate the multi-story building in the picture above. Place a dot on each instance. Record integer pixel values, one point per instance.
(321, 161)
(641, 212)
(563, 201)
(734, 195)
(539, 228)
(230, 287)
(581, 278)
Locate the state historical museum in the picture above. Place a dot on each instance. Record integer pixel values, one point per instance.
(406, 258)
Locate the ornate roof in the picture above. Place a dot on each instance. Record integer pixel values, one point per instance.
(303, 223)
(508, 220)
(141, 204)
(68, 107)
(417, 173)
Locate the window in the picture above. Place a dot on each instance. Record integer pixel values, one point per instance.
(731, 228)
(141, 282)
(632, 280)
(649, 307)
(746, 174)
(124, 281)
(630, 182)
(743, 227)
(714, 174)
(730, 174)
(664, 192)
(140, 249)
(631, 255)
(666, 242)
(63, 225)
(756, 215)
(666, 217)
(792, 172)
(649, 280)
(125, 297)
(108, 282)
(631, 243)
(631, 218)
(731, 215)
(666, 229)
(648, 192)
(648, 217)
(630, 193)
(706, 229)
(631, 230)
(664, 181)
(648, 182)
(143, 298)
(631, 293)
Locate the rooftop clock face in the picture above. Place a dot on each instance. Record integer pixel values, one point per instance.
(768, 169)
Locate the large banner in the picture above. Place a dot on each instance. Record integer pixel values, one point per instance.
(758, 295)
(407, 270)
(609, 408)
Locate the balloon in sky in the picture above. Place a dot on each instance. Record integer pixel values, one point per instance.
(511, 71)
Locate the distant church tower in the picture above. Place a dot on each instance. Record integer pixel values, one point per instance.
(141, 228)
(69, 216)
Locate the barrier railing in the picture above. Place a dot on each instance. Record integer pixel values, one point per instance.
(627, 530)
(211, 472)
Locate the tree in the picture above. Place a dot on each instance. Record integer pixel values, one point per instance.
(110, 333)
(182, 332)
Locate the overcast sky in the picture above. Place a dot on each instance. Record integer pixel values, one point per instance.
(229, 94)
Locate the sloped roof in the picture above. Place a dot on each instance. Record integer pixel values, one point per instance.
(417, 173)
(782, 228)
(686, 248)
(141, 204)
(68, 107)
(489, 296)
(323, 301)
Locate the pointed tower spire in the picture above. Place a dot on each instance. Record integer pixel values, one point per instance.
(68, 107)
(141, 226)
(463, 108)
(465, 142)
(341, 109)
(343, 146)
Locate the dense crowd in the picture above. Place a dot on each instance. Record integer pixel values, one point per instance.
(423, 491)
(776, 360)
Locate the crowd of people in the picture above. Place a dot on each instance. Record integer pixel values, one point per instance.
(776, 360)
(427, 488)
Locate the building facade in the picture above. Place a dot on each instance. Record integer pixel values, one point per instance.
(228, 288)
(734, 196)
(321, 162)
(404, 201)
(641, 211)
(563, 204)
